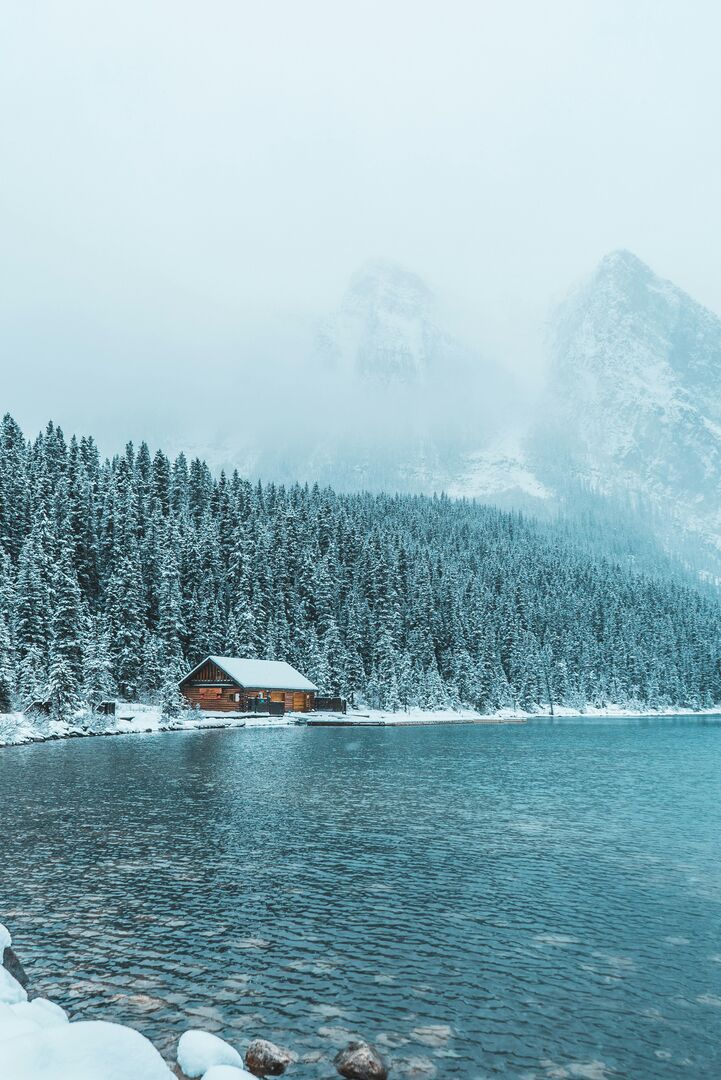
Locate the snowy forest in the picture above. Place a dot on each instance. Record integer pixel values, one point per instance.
(117, 576)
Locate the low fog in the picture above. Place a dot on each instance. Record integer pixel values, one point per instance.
(188, 189)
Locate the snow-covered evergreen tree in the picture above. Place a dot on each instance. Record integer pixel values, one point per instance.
(125, 610)
(98, 680)
(7, 675)
(117, 576)
(67, 633)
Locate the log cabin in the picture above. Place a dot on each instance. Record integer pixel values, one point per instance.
(232, 684)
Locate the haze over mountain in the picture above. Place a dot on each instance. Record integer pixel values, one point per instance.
(630, 417)
(387, 329)
(384, 395)
(385, 392)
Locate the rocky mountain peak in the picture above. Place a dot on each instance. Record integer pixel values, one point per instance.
(622, 265)
(383, 285)
(636, 393)
(385, 329)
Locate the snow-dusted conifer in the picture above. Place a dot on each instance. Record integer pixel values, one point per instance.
(7, 674)
(67, 633)
(98, 681)
(394, 600)
(125, 610)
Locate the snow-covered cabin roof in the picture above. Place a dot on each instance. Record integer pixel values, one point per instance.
(262, 674)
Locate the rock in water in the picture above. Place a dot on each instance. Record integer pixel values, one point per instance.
(360, 1061)
(13, 965)
(266, 1059)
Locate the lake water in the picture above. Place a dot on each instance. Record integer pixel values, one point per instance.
(539, 900)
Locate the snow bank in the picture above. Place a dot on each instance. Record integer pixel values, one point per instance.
(136, 719)
(29, 1017)
(11, 992)
(87, 1050)
(199, 1051)
(41, 1012)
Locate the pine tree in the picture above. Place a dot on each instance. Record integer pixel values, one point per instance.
(125, 610)
(334, 660)
(98, 681)
(171, 628)
(172, 701)
(7, 675)
(67, 632)
(62, 689)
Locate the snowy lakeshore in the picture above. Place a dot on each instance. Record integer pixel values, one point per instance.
(19, 728)
(38, 1039)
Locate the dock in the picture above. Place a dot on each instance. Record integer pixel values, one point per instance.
(360, 720)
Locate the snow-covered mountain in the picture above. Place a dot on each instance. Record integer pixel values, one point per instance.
(629, 426)
(634, 400)
(397, 399)
(388, 329)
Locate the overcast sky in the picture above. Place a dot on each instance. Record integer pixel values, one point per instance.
(177, 176)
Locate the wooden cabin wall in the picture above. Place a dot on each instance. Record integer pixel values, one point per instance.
(213, 698)
(212, 690)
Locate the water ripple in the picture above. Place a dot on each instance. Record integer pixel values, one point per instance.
(538, 901)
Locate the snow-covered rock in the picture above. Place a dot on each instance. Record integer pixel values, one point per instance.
(227, 1072)
(87, 1050)
(27, 1017)
(13, 1024)
(43, 1013)
(199, 1051)
(11, 992)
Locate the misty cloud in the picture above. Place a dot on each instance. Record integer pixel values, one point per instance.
(186, 189)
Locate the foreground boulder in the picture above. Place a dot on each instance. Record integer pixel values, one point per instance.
(360, 1061)
(264, 1058)
(227, 1072)
(12, 991)
(11, 963)
(199, 1051)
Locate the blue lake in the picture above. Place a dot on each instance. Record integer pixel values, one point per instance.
(530, 901)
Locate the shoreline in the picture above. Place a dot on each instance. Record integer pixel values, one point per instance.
(39, 1037)
(17, 729)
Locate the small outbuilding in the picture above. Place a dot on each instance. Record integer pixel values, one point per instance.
(235, 684)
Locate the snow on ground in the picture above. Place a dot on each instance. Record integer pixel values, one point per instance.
(133, 718)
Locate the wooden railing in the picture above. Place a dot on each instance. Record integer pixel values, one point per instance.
(331, 704)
